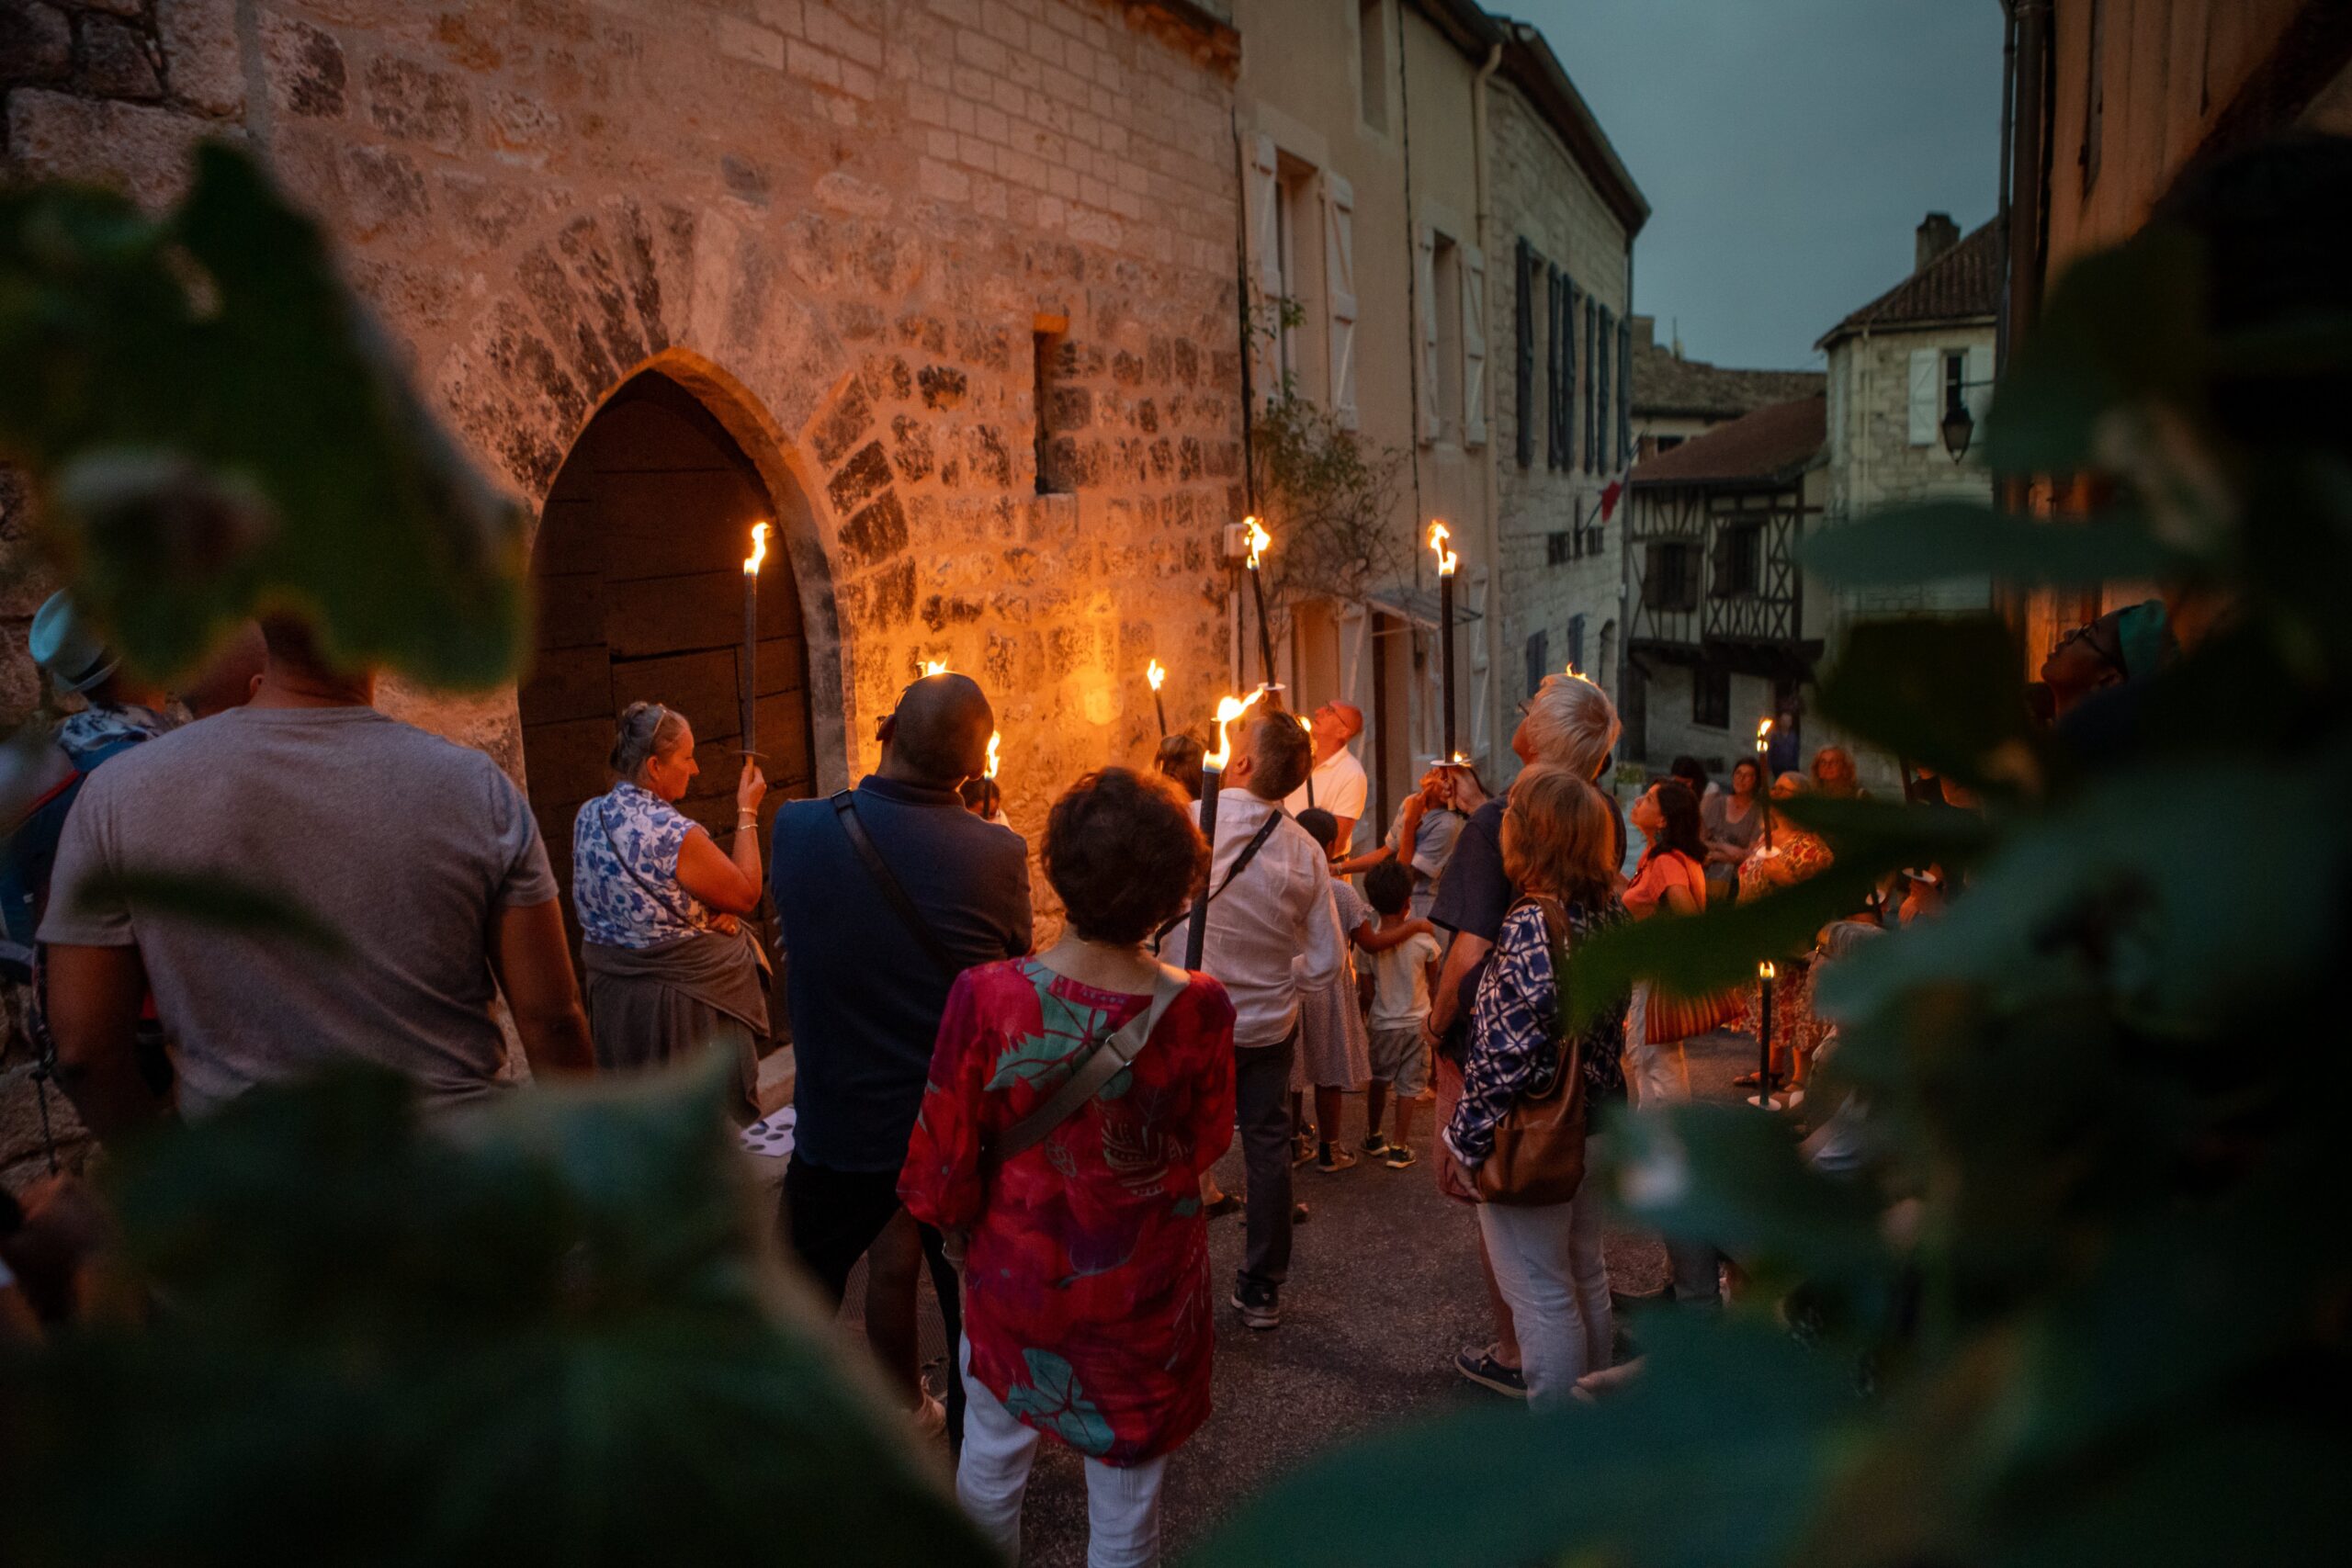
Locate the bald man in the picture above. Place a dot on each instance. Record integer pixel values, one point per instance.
(1338, 784)
(867, 977)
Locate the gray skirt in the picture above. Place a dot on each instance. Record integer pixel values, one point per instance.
(650, 1006)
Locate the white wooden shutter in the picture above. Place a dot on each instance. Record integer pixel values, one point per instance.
(1927, 381)
(1474, 347)
(1979, 391)
(1340, 289)
(1265, 196)
(1482, 684)
(1425, 286)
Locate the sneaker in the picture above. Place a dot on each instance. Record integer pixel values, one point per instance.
(1331, 1161)
(1396, 1156)
(1481, 1368)
(1260, 1306)
(1373, 1145)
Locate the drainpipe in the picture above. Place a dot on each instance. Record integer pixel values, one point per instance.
(1493, 628)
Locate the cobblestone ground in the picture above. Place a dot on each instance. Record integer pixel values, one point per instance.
(1383, 1290)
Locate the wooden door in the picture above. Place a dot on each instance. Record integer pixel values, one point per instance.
(638, 567)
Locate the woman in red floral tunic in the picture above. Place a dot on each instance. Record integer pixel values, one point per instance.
(1086, 1269)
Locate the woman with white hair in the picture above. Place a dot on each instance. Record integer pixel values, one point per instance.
(1568, 724)
(670, 968)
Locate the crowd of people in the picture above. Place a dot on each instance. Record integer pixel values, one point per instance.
(1034, 1127)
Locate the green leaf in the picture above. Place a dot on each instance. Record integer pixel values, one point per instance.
(1949, 693)
(1936, 540)
(210, 898)
(1054, 1400)
(2119, 328)
(214, 429)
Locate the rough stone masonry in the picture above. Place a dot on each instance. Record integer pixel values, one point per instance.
(840, 222)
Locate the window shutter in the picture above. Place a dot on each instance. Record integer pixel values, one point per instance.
(1265, 196)
(1591, 353)
(1604, 419)
(1340, 289)
(1979, 392)
(1474, 347)
(1625, 394)
(1576, 643)
(1539, 658)
(1556, 450)
(1927, 382)
(1653, 575)
(1563, 403)
(1524, 367)
(1425, 288)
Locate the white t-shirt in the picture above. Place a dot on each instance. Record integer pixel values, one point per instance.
(1341, 788)
(1400, 983)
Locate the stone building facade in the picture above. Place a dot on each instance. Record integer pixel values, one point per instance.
(946, 288)
(1563, 213)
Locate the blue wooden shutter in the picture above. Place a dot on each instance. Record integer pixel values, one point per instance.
(1526, 364)
(1625, 394)
(1602, 417)
(1591, 354)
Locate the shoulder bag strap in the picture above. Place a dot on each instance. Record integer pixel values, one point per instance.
(1240, 863)
(893, 892)
(1555, 935)
(1109, 1057)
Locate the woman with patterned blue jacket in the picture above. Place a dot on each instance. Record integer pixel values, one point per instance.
(670, 966)
(1559, 841)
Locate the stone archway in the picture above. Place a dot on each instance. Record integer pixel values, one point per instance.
(637, 563)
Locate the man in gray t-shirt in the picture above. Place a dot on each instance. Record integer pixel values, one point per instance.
(420, 856)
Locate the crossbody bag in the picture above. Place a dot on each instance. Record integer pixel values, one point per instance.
(1109, 1056)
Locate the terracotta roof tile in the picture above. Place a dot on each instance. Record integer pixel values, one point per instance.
(1774, 442)
(1964, 282)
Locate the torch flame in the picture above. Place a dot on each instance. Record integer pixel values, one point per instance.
(759, 550)
(1228, 708)
(1446, 559)
(1259, 541)
(1763, 730)
(1155, 673)
(1462, 759)
(996, 739)
(934, 667)
(1764, 970)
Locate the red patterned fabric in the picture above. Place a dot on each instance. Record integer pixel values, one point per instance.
(1086, 1279)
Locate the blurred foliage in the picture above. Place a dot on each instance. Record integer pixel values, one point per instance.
(2078, 1293)
(1329, 496)
(213, 427)
(549, 1330)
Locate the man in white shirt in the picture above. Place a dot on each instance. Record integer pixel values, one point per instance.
(1340, 787)
(1277, 909)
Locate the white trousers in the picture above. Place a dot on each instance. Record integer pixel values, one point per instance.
(1550, 1267)
(1121, 1504)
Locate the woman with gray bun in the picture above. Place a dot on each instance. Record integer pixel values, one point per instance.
(669, 967)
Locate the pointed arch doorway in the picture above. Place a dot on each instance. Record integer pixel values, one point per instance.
(639, 566)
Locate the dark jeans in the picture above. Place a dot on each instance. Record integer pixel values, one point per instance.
(1261, 1092)
(832, 1217)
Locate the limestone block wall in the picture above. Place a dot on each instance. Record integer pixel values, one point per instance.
(1539, 192)
(842, 224)
(1873, 463)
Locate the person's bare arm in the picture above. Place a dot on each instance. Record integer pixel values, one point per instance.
(728, 883)
(532, 960)
(1347, 833)
(1363, 863)
(1447, 1002)
(95, 995)
(1379, 940)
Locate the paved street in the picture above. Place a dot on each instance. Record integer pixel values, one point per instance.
(1384, 1289)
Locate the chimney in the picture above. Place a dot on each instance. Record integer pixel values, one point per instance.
(1937, 235)
(1645, 329)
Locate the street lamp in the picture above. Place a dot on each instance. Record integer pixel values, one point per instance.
(1960, 427)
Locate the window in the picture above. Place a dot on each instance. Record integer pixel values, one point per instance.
(1666, 442)
(1298, 225)
(1539, 658)
(1711, 698)
(1445, 277)
(1372, 48)
(1739, 559)
(1557, 549)
(1955, 380)
(1670, 575)
(1045, 367)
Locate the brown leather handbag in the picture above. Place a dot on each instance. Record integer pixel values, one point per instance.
(1538, 1157)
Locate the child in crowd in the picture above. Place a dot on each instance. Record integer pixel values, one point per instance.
(1334, 1053)
(1402, 973)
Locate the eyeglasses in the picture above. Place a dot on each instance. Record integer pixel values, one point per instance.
(2089, 634)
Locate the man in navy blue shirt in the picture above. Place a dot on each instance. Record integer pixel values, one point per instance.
(868, 978)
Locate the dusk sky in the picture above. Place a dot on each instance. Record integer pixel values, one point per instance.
(1788, 149)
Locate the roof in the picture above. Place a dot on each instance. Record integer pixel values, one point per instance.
(1528, 61)
(1964, 284)
(1667, 384)
(1772, 446)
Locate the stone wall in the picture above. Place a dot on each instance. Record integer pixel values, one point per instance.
(838, 223)
(1539, 193)
(1873, 463)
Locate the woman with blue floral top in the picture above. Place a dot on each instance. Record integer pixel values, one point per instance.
(1558, 841)
(669, 967)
